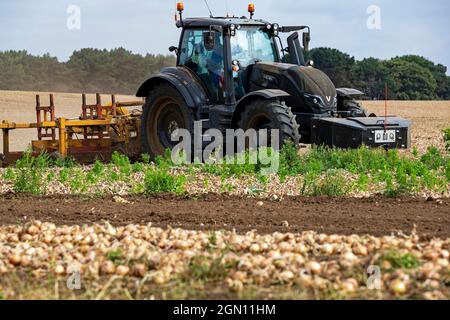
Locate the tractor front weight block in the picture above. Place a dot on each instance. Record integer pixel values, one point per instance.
(373, 132)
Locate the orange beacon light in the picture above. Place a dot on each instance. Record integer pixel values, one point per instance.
(251, 9)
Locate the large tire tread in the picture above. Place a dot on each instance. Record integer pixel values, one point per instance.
(162, 90)
(279, 113)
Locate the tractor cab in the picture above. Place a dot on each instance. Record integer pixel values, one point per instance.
(222, 51)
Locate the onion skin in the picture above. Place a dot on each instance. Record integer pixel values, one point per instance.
(308, 259)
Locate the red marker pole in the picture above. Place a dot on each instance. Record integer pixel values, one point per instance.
(385, 104)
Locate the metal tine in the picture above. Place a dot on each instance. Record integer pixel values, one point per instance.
(52, 107)
(113, 104)
(52, 114)
(84, 113)
(83, 106)
(99, 106)
(38, 115)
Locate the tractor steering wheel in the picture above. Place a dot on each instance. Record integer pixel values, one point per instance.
(254, 61)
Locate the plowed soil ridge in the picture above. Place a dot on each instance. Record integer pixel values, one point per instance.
(375, 216)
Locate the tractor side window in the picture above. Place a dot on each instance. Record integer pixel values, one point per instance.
(208, 65)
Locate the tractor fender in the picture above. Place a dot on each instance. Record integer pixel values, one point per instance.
(348, 92)
(346, 102)
(183, 80)
(267, 94)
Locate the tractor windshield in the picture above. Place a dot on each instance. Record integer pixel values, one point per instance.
(252, 44)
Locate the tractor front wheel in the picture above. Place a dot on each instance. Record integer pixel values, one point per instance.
(164, 112)
(271, 114)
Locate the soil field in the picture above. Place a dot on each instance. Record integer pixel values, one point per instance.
(152, 248)
(375, 216)
(428, 117)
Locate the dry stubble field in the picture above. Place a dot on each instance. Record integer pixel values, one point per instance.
(242, 248)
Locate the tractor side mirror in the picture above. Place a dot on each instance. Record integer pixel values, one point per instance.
(209, 38)
(306, 40)
(173, 48)
(295, 50)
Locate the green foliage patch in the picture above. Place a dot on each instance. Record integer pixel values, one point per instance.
(161, 181)
(320, 171)
(398, 260)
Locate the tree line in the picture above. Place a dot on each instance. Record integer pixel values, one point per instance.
(88, 70)
(121, 71)
(408, 77)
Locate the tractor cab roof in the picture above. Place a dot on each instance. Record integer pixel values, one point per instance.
(221, 21)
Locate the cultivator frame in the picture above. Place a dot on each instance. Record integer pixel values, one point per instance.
(96, 134)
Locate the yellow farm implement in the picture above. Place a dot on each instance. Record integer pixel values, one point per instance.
(96, 134)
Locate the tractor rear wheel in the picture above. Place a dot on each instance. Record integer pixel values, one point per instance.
(164, 111)
(271, 114)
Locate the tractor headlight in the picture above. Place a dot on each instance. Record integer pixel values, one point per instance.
(275, 29)
(269, 27)
(233, 29)
(313, 99)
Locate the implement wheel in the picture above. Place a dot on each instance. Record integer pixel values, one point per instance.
(271, 114)
(164, 112)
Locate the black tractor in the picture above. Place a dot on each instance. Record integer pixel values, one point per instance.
(235, 73)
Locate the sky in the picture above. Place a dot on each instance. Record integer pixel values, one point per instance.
(147, 26)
